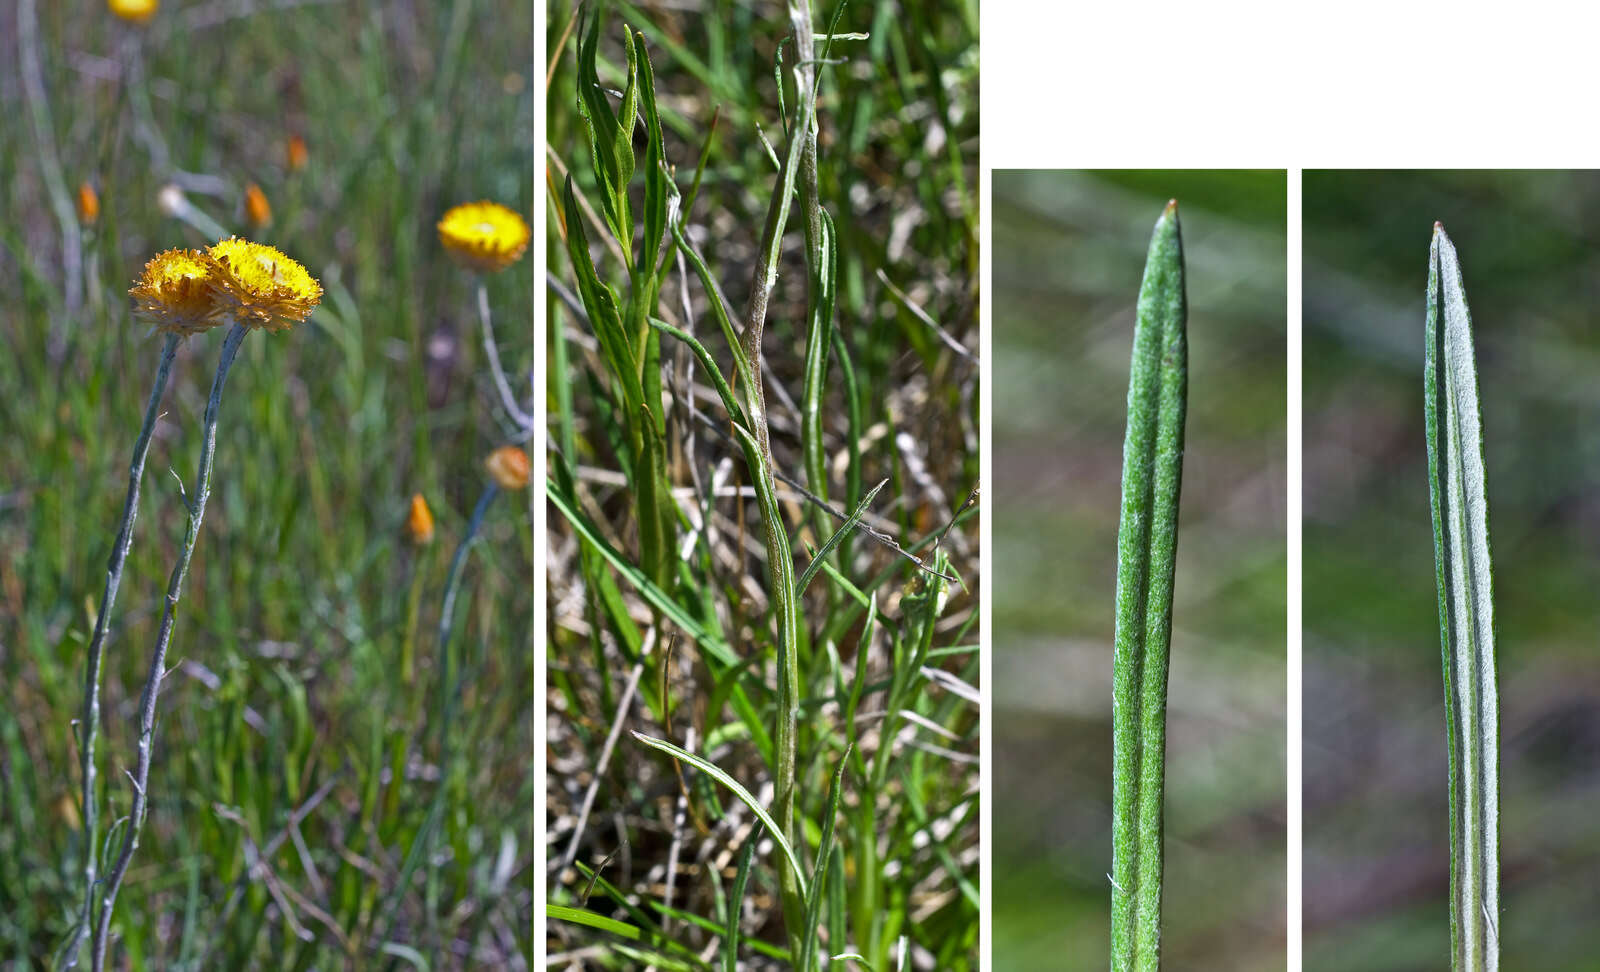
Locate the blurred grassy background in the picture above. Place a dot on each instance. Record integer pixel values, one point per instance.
(1376, 824)
(288, 638)
(1068, 256)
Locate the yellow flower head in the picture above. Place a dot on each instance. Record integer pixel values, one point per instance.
(134, 11)
(264, 287)
(485, 236)
(178, 292)
(508, 465)
(256, 208)
(419, 524)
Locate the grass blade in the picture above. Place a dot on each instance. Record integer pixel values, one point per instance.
(1459, 496)
(1147, 547)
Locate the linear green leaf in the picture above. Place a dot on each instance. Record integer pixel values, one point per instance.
(607, 134)
(1458, 492)
(730, 939)
(600, 304)
(655, 176)
(658, 598)
(819, 877)
(715, 772)
(1147, 547)
(834, 538)
(580, 916)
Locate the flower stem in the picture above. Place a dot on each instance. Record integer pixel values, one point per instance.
(508, 398)
(102, 624)
(158, 661)
(449, 697)
(408, 645)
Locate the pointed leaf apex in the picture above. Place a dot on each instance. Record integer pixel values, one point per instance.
(1172, 205)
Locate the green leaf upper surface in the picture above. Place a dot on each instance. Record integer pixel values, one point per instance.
(1457, 488)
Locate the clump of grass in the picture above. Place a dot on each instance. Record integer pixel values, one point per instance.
(1458, 493)
(855, 770)
(1147, 551)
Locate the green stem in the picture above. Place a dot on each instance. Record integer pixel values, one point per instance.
(91, 679)
(1147, 546)
(449, 700)
(158, 660)
(758, 455)
(780, 563)
(408, 643)
(819, 270)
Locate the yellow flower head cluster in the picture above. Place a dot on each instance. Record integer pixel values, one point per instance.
(188, 291)
(133, 11)
(262, 286)
(177, 292)
(485, 236)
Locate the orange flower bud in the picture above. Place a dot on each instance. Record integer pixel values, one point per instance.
(419, 524)
(256, 209)
(509, 467)
(295, 153)
(88, 204)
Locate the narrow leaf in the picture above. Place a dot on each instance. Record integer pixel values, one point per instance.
(819, 877)
(834, 538)
(581, 916)
(1147, 546)
(655, 175)
(604, 130)
(715, 772)
(730, 939)
(704, 636)
(1459, 496)
(724, 392)
(601, 305)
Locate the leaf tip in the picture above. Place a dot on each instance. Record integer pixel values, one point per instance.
(1172, 205)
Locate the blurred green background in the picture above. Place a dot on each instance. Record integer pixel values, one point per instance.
(1068, 256)
(288, 680)
(1376, 824)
